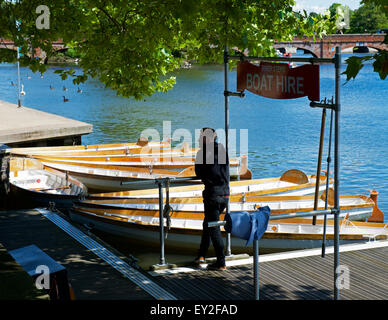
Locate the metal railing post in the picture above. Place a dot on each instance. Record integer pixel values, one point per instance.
(336, 169)
(226, 67)
(256, 282)
(161, 222)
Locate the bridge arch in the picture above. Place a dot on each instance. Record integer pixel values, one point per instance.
(364, 48)
(307, 50)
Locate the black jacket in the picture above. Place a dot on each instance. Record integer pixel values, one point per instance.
(213, 169)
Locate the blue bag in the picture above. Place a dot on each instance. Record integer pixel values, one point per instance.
(248, 225)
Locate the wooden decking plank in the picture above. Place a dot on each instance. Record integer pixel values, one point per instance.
(309, 277)
(275, 286)
(376, 281)
(299, 279)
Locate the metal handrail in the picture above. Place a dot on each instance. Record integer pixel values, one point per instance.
(256, 242)
(284, 216)
(155, 180)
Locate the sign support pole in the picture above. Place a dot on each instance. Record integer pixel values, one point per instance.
(336, 107)
(336, 169)
(226, 67)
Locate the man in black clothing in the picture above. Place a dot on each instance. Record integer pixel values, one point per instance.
(212, 167)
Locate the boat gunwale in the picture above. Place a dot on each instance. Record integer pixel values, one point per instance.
(125, 222)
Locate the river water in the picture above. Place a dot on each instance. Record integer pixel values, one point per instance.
(282, 134)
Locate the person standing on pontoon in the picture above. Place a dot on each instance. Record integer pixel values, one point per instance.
(211, 166)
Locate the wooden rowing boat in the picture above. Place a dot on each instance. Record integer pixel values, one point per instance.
(107, 151)
(291, 182)
(139, 221)
(38, 185)
(143, 154)
(358, 207)
(101, 179)
(107, 176)
(62, 150)
(145, 161)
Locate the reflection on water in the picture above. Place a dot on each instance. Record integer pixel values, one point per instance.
(282, 134)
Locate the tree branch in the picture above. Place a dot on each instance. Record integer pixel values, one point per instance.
(115, 22)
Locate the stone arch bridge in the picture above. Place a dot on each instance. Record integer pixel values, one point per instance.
(322, 48)
(325, 47)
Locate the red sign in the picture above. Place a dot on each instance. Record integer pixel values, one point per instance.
(278, 80)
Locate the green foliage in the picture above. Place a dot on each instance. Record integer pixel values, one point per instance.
(133, 46)
(380, 59)
(72, 53)
(368, 19)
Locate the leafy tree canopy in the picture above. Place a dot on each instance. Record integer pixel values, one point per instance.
(369, 18)
(378, 11)
(132, 46)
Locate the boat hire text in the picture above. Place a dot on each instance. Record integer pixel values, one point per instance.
(279, 80)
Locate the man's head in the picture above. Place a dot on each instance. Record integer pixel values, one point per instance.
(207, 136)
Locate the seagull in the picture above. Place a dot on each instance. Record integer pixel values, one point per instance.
(64, 88)
(65, 99)
(23, 93)
(79, 90)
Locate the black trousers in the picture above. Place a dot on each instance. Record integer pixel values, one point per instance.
(213, 207)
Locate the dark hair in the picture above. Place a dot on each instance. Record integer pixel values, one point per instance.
(212, 131)
(204, 129)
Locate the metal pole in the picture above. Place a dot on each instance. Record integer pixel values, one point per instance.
(18, 65)
(327, 186)
(336, 167)
(161, 223)
(318, 180)
(256, 283)
(226, 67)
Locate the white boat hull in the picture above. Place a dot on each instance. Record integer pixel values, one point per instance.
(277, 240)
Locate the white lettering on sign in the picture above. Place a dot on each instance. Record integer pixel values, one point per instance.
(254, 82)
(299, 85)
(284, 84)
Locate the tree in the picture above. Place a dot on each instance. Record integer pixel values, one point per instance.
(132, 46)
(369, 18)
(380, 59)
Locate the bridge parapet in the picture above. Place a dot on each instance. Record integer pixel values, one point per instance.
(325, 47)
